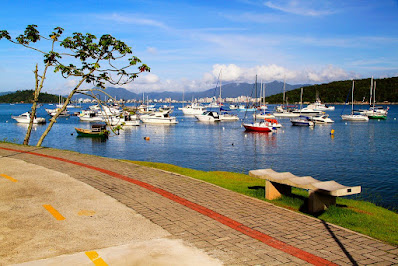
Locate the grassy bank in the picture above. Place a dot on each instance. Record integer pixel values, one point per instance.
(360, 216)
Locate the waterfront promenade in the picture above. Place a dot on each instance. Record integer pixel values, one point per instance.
(62, 207)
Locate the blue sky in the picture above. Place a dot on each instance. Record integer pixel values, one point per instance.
(187, 43)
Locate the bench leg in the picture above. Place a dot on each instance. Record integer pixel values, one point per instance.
(276, 190)
(318, 202)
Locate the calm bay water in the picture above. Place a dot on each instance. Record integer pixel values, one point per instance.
(361, 153)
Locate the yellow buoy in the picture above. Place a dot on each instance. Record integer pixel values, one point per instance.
(332, 132)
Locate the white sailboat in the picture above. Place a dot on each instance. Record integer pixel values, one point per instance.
(302, 120)
(283, 111)
(224, 115)
(352, 116)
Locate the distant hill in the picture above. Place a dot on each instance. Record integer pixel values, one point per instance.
(231, 90)
(339, 91)
(27, 97)
(5, 92)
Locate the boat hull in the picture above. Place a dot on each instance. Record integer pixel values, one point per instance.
(82, 132)
(359, 118)
(257, 128)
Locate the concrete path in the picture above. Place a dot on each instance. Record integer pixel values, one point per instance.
(170, 216)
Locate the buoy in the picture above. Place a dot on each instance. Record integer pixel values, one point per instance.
(346, 123)
(223, 128)
(332, 132)
(146, 138)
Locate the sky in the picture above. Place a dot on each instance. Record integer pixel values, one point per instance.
(187, 44)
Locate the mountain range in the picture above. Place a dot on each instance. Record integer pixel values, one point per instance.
(231, 90)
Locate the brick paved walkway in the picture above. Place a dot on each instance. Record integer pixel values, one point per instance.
(231, 227)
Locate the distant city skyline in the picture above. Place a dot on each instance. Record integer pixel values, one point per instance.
(188, 44)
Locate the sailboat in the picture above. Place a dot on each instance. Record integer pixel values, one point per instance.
(302, 120)
(352, 116)
(263, 107)
(374, 112)
(224, 115)
(262, 126)
(282, 110)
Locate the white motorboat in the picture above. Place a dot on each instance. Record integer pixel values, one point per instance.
(319, 106)
(322, 119)
(308, 111)
(52, 112)
(25, 118)
(209, 116)
(302, 121)
(123, 120)
(233, 107)
(90, 116)
(159, 117)
(193, 109)
(227, 116)
(264, 115)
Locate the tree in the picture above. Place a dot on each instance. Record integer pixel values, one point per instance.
(91, 60)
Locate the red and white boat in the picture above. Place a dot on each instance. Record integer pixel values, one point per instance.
(262, 126)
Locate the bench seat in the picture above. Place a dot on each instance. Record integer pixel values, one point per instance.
(321, 193)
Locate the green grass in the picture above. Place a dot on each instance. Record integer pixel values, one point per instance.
(360, 216)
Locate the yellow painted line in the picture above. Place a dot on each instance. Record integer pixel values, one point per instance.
(54, 212)
(9, 178)
(94, 257)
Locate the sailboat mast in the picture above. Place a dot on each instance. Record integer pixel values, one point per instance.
(352, 98)
(301, 99)
(374, 96)
(220, 88)
(284, 97)
(371, 91)
(255, 101)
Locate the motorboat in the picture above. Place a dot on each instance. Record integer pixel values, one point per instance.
(319, 106)
(25, 118)
(264, 115)
(159, 117)
(322, 119)
(123, 120)
(261, 126)
(209, 116)
(97, 130)
(228, 116)
(307, 111)
(193, 109)
(247, 109)
(304, 121)
(90, 116)
(53, 112)
(233, 107)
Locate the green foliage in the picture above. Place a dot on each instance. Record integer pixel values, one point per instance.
(356, 215)
(338, 91)
(27, 96)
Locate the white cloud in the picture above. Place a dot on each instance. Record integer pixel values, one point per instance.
(235, 74)
(308, 8)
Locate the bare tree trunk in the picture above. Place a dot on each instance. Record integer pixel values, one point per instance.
(35, 100)
(60, 110)
(34, 106)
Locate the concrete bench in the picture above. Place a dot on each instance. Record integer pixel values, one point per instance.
(321, 193)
